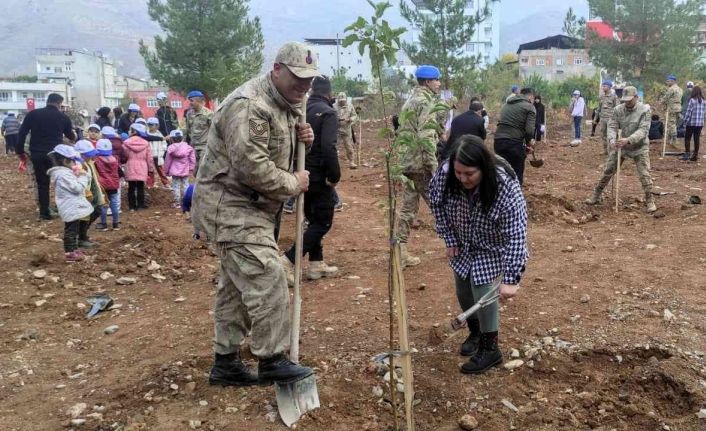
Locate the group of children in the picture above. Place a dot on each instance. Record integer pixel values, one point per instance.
(88, 176)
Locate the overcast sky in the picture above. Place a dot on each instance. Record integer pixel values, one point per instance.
(307, 17)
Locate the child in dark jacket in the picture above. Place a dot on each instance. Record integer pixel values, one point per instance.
(108, 169)
(656, 128)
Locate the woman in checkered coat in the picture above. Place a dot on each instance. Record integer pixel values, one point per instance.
(482, 217)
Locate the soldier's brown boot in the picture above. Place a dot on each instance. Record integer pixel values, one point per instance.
(407, 259)
(288, 268)
(595, 197)
(650, 202)
(319, 269)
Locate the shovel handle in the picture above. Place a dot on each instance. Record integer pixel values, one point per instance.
(298, 248)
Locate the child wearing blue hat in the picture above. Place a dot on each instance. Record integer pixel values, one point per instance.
(94, 193)
(108, 169)
(71, 182)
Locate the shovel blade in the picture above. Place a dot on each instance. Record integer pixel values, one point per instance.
(297, 398)
(537, 163)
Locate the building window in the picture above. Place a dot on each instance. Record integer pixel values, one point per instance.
(578, 61)
(25, 95)
(4, 96)
(176, 104)
(469, 4)
(524, 60)
(488, 46)
(539, 61)
(40, 96)
(67, 66)
(152, 103)
(48, 69)
(559, 61)
(58, 70)
(360, 76)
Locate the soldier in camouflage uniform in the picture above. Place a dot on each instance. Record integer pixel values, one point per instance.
(198, 121)
(346, 119)
(607, 102)
(632, 118)
(245, 177)
(671, 103)
(420, 163)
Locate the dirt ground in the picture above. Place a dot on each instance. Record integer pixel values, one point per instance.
(599, 350)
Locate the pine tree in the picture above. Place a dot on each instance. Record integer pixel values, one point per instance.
(656, 37)
(444, 31)
(210, 45)
(573, 25)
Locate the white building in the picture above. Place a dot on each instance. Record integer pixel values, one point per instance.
(14, 95)
(485, 42)
(332, 56)
(91, 77)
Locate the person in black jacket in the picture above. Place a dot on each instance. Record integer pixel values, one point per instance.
(324, 174)
(47, 127)
(103, 117)
(656, 128)
(470, 122)
(540, 121)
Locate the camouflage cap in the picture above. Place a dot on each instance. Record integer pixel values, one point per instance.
(629, 93)
(299, 58)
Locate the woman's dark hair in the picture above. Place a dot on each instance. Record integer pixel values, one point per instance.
(655, 117)
(697, 94)
(537, 97)
(117, 111)
(103, 112)
(469, 150)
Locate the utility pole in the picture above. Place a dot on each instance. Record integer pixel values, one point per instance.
(338, 55)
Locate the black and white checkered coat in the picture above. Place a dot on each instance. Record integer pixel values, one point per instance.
(489, 243)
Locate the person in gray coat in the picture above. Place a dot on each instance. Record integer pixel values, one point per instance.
(71, 182)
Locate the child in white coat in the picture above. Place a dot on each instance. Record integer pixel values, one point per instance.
(70, 182)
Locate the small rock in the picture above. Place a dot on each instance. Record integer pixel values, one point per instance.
(548, 341)
(511, 365)
(124, 281)
(40, 273)
(98, 417)
(60, 386)
(514, 353)
(509, 405)
(271, 417)
(377, 391)
(194, 424)
(53, 279)
(650, 246)
(153, 266)
(112, 329)
(400, 388)
(40, 302)
(105, 275)
(231, 409)
(203, 403)
(180, 299)
(701, 414)
(422, 286)
(468, 422)
(668, 315)
(30, 334)
(77, 422)
(76, 410)
(174, 387)
(585, 299)
(653, 361)
(190, 387)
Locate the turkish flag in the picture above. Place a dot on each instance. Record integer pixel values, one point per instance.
(30, 104)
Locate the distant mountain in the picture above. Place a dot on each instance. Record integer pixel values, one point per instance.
(536, 26)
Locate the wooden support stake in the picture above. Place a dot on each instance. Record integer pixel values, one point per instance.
(402, 329)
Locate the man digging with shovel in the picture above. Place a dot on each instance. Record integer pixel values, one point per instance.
(245, 177)
(632, 118)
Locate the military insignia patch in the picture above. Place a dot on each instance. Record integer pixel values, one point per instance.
(258, 127)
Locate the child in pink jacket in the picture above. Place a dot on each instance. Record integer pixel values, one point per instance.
(179, 164)
(138, 166)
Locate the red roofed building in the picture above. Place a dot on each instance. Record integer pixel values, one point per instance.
(602, 29)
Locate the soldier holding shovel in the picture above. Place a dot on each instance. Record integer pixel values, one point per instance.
(245, 177)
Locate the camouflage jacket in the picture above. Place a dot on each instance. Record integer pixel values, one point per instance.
(197, 125)
(634, 124)
(607, 104)
(246, 174)
(421, 159)
(671, 100)
(346, 118)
